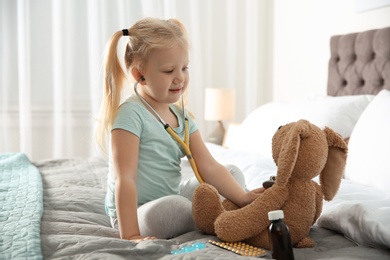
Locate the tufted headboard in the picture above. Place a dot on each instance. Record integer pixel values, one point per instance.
(359, 63)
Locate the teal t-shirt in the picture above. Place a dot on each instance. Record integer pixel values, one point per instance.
(159, 171)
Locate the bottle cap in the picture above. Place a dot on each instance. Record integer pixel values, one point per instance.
(276, 214)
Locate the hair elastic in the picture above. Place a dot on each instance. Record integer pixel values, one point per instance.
(125, 32)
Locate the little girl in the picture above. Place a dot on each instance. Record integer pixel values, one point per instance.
(145, 196)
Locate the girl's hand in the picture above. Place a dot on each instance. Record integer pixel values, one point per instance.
(250, 196)
(138, 239)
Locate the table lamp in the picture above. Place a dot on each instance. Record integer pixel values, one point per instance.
(219, 106)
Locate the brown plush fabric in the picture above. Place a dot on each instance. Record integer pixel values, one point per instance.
(334, 167)
(301, 151)
(359, 63)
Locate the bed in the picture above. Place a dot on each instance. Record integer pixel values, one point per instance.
(53, 209)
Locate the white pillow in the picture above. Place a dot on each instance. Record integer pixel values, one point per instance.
(368, 160)
(338, 113)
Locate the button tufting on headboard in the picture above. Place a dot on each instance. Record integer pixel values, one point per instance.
(359, 63)
(381, 82)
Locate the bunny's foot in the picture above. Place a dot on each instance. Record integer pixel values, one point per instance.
(206, 207)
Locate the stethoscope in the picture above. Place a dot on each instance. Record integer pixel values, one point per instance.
(184, 144)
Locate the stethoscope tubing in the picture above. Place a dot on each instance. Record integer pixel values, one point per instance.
(184, 144)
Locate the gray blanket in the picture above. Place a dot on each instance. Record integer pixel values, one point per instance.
(74, 224)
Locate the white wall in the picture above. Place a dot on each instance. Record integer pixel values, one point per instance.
(302, 31)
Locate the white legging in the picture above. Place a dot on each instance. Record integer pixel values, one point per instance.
(171, 216)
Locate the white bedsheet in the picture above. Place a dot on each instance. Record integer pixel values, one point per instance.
(361, 213)
(257, 168)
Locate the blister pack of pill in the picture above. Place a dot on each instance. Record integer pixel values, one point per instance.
(240, 248)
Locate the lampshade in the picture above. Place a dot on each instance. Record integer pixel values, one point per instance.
(219, 104)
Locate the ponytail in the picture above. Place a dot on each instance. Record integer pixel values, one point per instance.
(112, 88)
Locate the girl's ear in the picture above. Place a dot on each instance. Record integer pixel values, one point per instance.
(136, 73)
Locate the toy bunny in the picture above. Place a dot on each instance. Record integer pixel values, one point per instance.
(301, 151)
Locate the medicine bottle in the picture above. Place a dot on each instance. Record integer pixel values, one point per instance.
(279, 236)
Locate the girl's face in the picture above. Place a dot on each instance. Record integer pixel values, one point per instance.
(166, 76)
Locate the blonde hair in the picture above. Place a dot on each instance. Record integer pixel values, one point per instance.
(143, 37)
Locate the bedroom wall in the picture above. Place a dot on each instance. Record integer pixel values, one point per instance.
(302, 30)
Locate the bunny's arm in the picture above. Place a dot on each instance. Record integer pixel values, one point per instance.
(252, 219)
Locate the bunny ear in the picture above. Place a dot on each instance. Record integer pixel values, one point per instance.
(289, 152)
(331, 175)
